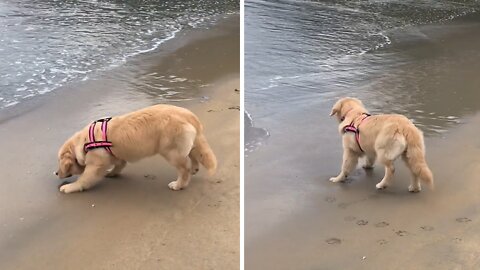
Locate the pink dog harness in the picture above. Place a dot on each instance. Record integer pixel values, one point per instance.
(98, 144)
(351, 128)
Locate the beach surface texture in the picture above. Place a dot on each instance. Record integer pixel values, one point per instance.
(134, 221)
(417, 59)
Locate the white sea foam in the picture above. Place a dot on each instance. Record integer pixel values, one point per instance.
(72, 62)
(387, 41)
(179, 80)
(11, 103)
(28, 96)
(155, 46)
(44, 90)
(171, 93)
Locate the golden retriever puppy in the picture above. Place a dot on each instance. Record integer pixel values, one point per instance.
(382, 137)
(104, 147)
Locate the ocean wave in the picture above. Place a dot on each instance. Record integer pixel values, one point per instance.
(87, 44)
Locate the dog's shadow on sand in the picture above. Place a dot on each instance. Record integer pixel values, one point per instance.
(132, 188)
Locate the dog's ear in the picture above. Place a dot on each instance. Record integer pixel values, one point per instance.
(66, 160)
(336, 108)
(67, 166)
(334, 111)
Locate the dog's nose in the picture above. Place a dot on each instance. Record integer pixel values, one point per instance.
(55, 173)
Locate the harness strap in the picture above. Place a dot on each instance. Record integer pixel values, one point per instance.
(98, 144)
(91, 134)
(104, 130)
(351, 128)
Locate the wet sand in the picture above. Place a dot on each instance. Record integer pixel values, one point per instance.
(296, 219)
(321, 225)
(133, 221)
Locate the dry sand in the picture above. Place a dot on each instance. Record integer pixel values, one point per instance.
(133, 221)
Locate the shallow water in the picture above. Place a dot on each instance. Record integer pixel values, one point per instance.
(406, 57)
(49, 44)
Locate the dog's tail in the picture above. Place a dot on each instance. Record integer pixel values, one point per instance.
(202, 152)
(415, 157)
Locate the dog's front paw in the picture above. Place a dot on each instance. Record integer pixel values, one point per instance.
(368, 166)
(111, 174)
(174, 185)
(414, 189)
(337, 179)
(381, 185)
(69, 188)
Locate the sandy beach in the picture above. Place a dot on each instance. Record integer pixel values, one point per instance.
(296, 219)
(354, 226)
(133, 221)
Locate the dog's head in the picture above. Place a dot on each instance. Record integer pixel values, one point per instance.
(344, 105)
(67, 162)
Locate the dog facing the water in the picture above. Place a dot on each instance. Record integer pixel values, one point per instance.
(104, 147)
(383, 137)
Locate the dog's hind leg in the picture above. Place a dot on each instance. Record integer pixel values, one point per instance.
(389, 171)
(194, 162)
(387, 154)
(179, 157)
(182, 163)
(350, 160)
(369, 161)
(119, 165)
(415, 185)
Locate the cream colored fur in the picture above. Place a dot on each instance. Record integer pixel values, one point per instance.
(383, 137)
(173, 132)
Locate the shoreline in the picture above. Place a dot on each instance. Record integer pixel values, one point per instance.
(296, 219)
(337, 220)
(133, 67)
(134, 221)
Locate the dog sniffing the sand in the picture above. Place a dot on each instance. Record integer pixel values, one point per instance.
(383, 137)
(104, 147)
